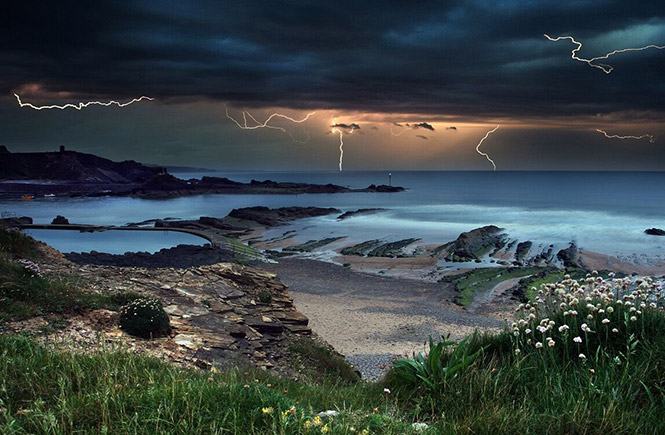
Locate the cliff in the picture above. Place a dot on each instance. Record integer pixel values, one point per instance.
(72, 166)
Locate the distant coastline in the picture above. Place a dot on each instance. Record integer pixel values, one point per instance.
(73, 174)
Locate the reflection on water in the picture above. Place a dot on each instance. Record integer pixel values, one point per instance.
(114, 242)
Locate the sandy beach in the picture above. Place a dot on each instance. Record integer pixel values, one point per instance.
(369, 318)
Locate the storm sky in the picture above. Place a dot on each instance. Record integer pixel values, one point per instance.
(463, 64)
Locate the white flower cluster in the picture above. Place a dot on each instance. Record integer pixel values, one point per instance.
(142, 305)
(596, 298)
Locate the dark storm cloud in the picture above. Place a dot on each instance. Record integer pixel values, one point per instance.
(482, 58)
(421, 125)
(352, 126)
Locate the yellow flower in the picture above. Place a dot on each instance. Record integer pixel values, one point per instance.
(285, 413)
(365, 432)
(317, 421)
(267, 410)
(307, 424)
(325, 428)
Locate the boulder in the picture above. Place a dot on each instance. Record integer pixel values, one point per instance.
(60, 220)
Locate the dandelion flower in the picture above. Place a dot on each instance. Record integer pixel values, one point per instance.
(577, 339)
(610, 309)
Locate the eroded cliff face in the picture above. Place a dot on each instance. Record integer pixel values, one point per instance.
(221, 314)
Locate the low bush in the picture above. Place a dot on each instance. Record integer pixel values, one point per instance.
(145, 317)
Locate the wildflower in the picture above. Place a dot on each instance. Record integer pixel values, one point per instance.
(517, 352)
(364, 432)
(527, 331)
(582, 357)
(592, 371)
(386, 391)
(307, 424)
(633, 319)
(246, 387)
(541, 329)
(292, 410)
(316, 422)
(633, 309)
(585, 327)
(605, 321)
(268, 410)
(610, 309)
(550, 342)
(577, 339)
(564, 328)
(285, 413)
(325, 428)
(614, 330)
(589, 317)
(539, 345)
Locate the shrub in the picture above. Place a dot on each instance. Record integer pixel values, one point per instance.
(265, 297)
(145, 317)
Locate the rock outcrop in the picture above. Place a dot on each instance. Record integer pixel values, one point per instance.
(60, 220)
(655, 232)
(271, 217)
(221, 314)
(474, 244)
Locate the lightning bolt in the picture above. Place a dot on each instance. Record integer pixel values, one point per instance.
(257, 124)
(81, 105)
(605, 68)
(338, 130)
(614, 136)
(480, 143)
(398, 134)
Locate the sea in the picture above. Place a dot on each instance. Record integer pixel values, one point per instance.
(605, 212)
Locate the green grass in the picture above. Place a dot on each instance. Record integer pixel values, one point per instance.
(25, 294)
(44, 391)
(316, 362)
(18, 245)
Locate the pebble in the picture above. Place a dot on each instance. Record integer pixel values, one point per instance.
(372, 367)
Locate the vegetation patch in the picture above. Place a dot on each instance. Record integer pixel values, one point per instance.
(478, 281)
(145, 318)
